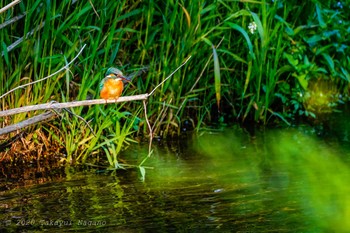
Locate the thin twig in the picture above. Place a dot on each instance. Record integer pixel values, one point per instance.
(63, 68)
(8, 6)
(82, 119)
(14, 19)
(170, 75)
(20, 40)
(55, 105)
(149, 128)
(94, 9)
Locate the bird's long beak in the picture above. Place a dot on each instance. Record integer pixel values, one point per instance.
(124, 78)
(118, 76)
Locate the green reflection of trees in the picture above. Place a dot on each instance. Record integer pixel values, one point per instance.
(282, 176)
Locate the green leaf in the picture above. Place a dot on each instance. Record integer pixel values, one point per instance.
(319, 16)
(129, 14)
(246, 37)
(259, 26)
(299, 29)
(217, 77)
(108, 155)
(329, 61)
(207, 41)
(328, 34)
(345, 73)
(209, 8)
(143, 173)
(324, 49)
(234, 56)
(302, 80)
(5, 53)
(281, 117)
(291, 60)
(313, 40)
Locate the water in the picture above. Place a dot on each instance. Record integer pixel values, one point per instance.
(279, 181)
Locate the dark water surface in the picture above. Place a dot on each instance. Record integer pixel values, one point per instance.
(280, 181)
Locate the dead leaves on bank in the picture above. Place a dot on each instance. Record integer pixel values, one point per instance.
(24, 148)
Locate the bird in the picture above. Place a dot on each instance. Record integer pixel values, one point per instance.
(111, 87)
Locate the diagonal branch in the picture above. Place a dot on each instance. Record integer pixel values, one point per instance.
(8, 6)
(10, 21)
(170, 75)
(58, 71)
(31, 121)
(20, 40)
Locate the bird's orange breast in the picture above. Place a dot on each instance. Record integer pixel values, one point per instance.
(112, 89)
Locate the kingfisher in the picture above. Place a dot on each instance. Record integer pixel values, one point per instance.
(111, 87)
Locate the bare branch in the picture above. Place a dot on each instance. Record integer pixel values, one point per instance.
(94, 9)
(14, 19)
(55, 105)
(170, 75)
(8, 6)
(20, 40)
(149, 128)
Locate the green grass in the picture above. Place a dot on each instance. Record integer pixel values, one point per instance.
(234, 73)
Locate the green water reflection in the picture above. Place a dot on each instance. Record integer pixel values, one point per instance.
(289, 176)
(279, 181)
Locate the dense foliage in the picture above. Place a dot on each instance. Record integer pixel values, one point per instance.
(261, 61)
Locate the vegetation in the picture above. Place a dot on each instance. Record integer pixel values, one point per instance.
(256, 61)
